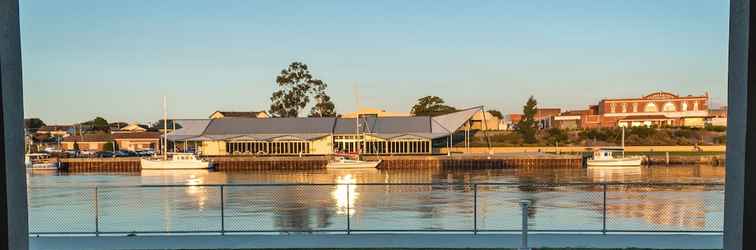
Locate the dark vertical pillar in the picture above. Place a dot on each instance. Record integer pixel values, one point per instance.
(740, 199)
(13, 217)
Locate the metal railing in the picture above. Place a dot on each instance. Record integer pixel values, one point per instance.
(376, 207)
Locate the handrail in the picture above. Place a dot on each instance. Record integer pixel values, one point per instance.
(540, 184)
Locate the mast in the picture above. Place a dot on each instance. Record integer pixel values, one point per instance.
(357, 122)
(623, 142)
(165, 129)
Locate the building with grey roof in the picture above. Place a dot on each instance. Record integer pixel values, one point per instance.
(322, 135)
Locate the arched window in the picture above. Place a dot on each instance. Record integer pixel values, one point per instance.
(650, 107)
(669, 107)
(624, 108)
(695, 106)
(635, 107)
(612, 108)
(685, 106)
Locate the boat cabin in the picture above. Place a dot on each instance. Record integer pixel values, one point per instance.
(606, 153)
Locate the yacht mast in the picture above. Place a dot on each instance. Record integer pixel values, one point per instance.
(165, 129)
(623, 142)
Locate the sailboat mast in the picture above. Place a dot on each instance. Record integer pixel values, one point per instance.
(165, 129)
(623, 142)
(357, 121)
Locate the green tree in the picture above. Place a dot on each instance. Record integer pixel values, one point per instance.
(431, 106)
(496, 113)
(324, 107)
(108, 147)
(556, 135)
(295, 86)
(33, 124)
(100, 124)
(527, 127)
(158, 125)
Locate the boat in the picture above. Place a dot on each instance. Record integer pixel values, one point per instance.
(606, 156)
(176, 161)
(40, 161)
(342, 162)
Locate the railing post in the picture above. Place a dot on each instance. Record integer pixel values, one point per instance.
(524, 204)
(222, 212)
(348, 213)
(475, 209)
(97, 211)
(604, 214)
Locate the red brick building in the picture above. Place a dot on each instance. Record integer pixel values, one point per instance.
(655, 109)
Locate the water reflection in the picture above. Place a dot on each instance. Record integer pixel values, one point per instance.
(381, 207)
(345, 194)
(614, 174)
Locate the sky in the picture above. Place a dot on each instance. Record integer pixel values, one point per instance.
(116, 59)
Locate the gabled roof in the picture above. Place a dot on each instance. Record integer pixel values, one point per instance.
(309, 128)
(247, 114)
(189, 128)
(289, 125)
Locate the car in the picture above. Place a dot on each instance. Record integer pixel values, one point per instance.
(125, 153)
(105, 154)
(147, 152)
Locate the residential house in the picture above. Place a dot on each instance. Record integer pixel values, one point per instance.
(374, 112)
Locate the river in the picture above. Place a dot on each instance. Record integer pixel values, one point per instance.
(64, 202)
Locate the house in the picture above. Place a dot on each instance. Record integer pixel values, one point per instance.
(87, 142)
(135, 141)
(131, 128)
(58, 131)
(323, 135)
(246, 114)
(491, 122)
(374, 112)
(717, 117)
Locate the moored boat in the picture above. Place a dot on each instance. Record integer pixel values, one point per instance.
(176, 161)
(344, 163)
(40, 161)
(606, 157)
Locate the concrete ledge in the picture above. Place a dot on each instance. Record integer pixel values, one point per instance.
(677, 241)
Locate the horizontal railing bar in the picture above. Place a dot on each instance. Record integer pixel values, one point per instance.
(394, 184)
(378, 230)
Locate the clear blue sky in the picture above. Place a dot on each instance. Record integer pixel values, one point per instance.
(117, 58)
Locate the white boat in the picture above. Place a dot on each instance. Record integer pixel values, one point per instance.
(40, 161)
(176, 161)
(344, 163)
(606, 157)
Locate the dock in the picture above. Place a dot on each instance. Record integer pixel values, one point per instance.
(234, 163)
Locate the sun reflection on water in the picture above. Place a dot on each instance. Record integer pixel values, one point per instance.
(345, 195)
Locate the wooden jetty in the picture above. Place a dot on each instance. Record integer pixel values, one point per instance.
(231, 163)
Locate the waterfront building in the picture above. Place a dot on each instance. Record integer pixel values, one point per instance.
(86, 142)
(655, 109)
(246, 114)
(323, 135)
(374, 112)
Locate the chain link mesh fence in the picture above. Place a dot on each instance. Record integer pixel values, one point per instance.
(348, 207)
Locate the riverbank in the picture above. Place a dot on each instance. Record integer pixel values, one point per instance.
(718, 149)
